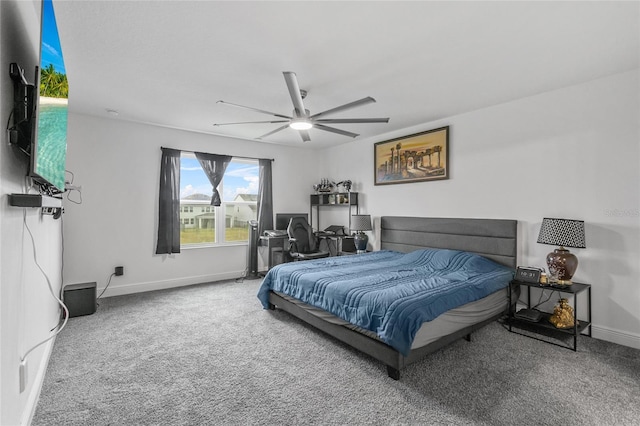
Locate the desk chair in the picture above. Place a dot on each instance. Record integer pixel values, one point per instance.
(302, 240)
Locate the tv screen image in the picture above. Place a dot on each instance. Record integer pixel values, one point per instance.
(49, 150)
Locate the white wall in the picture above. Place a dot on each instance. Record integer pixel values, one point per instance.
(27, 309)
(571, 153)
(117, 163)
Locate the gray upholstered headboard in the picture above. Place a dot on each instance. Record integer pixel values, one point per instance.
(495, 239)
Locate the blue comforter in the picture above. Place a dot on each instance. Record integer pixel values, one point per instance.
(388, 292)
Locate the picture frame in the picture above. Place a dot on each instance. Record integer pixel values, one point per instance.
(417, 157)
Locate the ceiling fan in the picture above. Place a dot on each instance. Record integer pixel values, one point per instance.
(302, 120)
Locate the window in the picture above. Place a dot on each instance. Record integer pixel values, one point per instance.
(223, 224)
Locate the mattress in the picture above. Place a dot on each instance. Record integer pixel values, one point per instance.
(443, 325)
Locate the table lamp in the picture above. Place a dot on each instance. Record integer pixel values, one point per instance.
(563, 233)
(361, 223)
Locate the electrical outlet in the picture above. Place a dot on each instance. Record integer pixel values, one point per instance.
(119, 271)
(23, 375)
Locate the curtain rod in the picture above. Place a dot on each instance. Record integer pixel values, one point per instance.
(237, 156)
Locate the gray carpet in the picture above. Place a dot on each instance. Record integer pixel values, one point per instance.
(209, 354)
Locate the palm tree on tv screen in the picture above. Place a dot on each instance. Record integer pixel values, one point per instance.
(53, 84)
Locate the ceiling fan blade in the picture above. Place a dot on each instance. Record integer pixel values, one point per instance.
(305, 135)
(294, 92)
(352, 120)
(252, 122)
(286, 126)
(254, 109)
(350, 105)
(334, 130)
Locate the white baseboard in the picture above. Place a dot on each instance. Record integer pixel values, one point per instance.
(162, 285)
(615, 336)
(36, 388)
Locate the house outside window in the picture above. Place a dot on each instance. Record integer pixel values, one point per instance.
(228, 223)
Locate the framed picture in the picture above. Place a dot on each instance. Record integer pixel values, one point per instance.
(414, 158)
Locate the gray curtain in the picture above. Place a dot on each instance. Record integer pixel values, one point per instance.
(265, 198)
(169, 203)
(214, 166)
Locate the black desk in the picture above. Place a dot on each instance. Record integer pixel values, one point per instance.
(335, 244)
(273, 244)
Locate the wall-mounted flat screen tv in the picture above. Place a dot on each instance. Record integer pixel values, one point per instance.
(49, 149)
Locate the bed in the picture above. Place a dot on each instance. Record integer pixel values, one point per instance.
(330, 293)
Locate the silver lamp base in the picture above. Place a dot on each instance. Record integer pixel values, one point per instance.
(360, 240)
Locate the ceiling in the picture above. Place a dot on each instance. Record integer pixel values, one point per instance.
(167, 63)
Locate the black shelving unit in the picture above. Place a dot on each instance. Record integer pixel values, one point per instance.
(332, 200)
(543, 326)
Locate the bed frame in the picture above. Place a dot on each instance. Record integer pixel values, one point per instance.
(495, 239)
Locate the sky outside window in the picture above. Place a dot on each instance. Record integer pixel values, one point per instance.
(239, 178)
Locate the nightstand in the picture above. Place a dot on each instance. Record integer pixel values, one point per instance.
(543, 326)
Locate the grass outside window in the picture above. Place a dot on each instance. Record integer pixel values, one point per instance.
(203, 236)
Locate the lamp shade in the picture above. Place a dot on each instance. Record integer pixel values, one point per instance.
(361, 222)
(562, 232)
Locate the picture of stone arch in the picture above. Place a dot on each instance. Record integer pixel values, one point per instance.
(414, 158)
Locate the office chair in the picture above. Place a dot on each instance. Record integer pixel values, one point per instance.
(302, 240)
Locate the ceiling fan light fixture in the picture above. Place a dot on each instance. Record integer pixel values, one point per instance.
(302, 120)
(301, 124)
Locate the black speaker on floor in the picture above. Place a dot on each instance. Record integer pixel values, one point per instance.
(80, 299)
